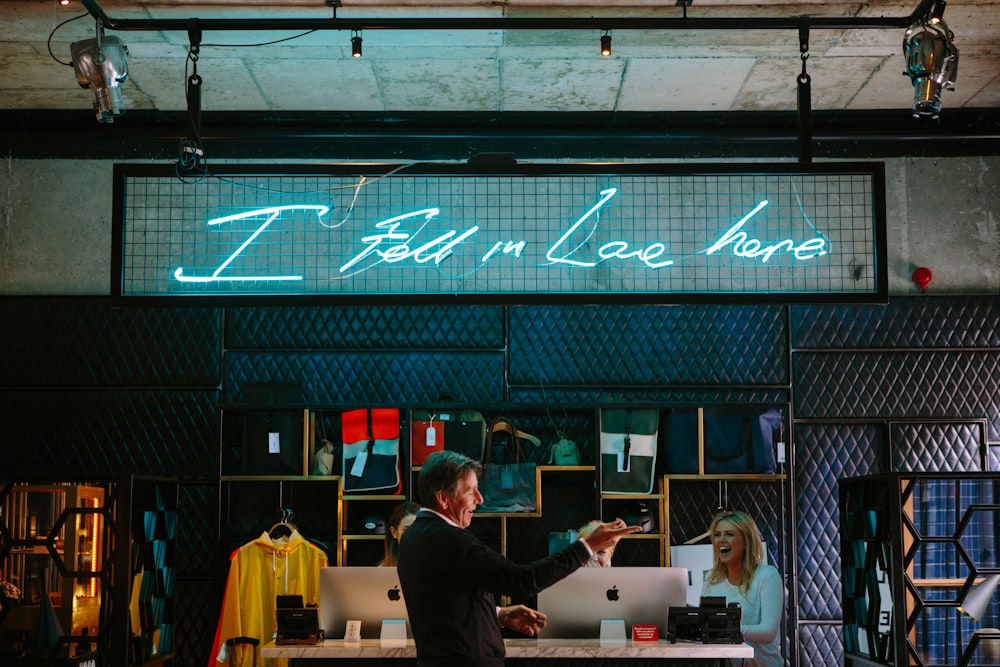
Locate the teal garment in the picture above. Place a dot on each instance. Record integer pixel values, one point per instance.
(762, 607)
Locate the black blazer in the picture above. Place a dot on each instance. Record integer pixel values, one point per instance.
(449, 580)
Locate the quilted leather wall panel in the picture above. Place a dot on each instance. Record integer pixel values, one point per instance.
(82, 342)
(825, 453)
(919, 322)
(198, 506)
(155, 432)
(365, 328)
(591, 397)
(820, 645)
(899, 385)
(648, 345)
(198, 604)
(947, 447)
(366, 378)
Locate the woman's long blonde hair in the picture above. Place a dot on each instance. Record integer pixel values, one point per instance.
(753, 549)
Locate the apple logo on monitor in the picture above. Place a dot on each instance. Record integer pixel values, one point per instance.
(393, 593)
(612, 594)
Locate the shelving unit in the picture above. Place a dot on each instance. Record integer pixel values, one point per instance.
(351, 546)
(913, 545)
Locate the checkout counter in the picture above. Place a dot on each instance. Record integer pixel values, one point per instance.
(520, 652)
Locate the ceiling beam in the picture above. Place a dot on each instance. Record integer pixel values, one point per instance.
(262, 135)
(501, 23)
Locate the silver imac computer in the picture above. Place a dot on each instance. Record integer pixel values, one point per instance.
(367, 594)
(576, 605)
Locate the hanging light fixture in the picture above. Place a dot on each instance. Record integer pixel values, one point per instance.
(605, 43)
(980, 597)
(102, 66)
(931, 61)
(356, 43)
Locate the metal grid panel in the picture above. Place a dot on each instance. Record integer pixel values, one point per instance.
(365, 328)
(444, 231)
(648, 345)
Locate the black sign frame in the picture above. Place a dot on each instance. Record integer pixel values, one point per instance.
(868, 264)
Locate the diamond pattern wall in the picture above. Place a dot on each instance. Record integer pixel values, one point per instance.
(79, 432)
(824, 454)
(371, 378)
(87, 389)
(647, 345)
(83, 342)
(365, 328)
(820, 645)
(916, 447)
(942, 322)
(899, 385)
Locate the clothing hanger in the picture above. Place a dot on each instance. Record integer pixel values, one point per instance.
(284, 528)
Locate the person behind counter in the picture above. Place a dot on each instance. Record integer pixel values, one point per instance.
(400, 519)
(600, 558)
(449, 578)
(740, 575)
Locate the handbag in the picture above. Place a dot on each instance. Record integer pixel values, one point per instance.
(427, 434)
(507, 487)
(628, 449)
(464, 432)
(371, 450)
(738, 440)
(564, 453)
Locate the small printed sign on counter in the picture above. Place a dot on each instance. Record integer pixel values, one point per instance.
(645, 633)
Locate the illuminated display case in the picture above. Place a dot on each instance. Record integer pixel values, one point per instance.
(87, 570)
(56, 550)
(916, 550)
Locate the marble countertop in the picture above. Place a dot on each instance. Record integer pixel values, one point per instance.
(518, 648)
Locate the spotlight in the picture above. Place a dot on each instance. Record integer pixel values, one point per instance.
(605, 42)
(356, 43)
(931, 61)
(101, 65)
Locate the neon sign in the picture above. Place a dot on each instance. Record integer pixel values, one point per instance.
(646, 233)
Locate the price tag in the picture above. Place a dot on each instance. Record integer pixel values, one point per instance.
(431, 440)
(273, 443)
(506, 478)
(358, 469)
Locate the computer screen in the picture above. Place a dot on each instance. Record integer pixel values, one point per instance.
(366, 594)
(576, 605)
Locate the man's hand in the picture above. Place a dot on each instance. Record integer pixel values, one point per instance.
(522, 619)
(606, 535)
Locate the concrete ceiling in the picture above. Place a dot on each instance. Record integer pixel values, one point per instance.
(497, 69)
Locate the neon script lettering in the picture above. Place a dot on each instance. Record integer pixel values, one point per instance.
(394, 243)
(744, 246)
(270, 215)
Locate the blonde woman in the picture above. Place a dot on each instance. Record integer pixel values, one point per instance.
(740, 575)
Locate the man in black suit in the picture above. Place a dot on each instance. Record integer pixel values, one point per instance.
(450, 578)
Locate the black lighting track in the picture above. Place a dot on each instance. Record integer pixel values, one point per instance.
(500, 23)
(434, 136)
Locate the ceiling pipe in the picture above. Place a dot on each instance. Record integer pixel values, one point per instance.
(500, 23)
